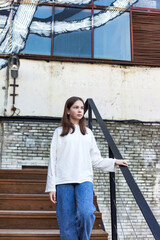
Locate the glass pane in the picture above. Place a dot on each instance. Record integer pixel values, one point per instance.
(4, 45)
(103, 2)
(76, 2)
(3, 18)
(37, 43)
(148, 4)
(75, 41)
(112, 40)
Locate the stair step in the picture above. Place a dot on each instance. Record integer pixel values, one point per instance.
(22, 186)
(28, 202)
(39, 174)
(35, 220)
(26, 213)
(30, 234)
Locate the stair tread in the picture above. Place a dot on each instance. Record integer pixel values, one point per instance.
(33, 212)
(43, 171)
(26, 212)
(31, 195)
(23, 180)
(29, 231)
(26, 195)
(42, 232)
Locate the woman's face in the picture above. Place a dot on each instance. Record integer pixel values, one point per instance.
(76, 112)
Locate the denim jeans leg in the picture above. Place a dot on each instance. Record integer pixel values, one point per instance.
(66, 211)
(85, 210)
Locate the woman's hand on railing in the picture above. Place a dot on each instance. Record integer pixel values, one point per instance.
(52, 196)
(121, 162)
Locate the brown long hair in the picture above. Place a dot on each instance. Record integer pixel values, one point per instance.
(66, 123)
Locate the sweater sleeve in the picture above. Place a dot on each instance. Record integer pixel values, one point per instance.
(105, 164)
(50, 184)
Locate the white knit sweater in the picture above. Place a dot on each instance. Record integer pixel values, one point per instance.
(72, 158)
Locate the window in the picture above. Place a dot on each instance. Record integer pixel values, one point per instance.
(103, 2)
(73, 32)
(3, 18)
(37, 43)
(98, 30)
(72, 43)
(148, 4)
(4, 15)
(112, 40)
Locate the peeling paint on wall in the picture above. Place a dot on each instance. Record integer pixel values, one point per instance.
(116, 98)
(4, 82)
(156, 189)
(30, 142)
(149, 156)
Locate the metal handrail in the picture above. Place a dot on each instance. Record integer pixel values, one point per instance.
(143, 205)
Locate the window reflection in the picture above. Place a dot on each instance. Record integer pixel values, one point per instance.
(73, 37)
(148, 4)
(4, 14)
(103, 2)
(112, 40)
(37, 43)
(72, 43)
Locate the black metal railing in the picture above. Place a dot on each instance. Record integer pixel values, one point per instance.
(114, 153)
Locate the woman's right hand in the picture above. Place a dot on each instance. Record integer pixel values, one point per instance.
(52, 196)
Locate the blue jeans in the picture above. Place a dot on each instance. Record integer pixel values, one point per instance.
(75, 210)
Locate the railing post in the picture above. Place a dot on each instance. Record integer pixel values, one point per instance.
(113, 201)
(90, 125)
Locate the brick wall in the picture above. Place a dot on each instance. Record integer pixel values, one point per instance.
(139, 144)
(28, 143)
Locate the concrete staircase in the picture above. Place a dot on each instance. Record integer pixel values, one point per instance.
(26, 213)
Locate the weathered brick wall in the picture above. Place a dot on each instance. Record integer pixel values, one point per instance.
(139, 144)
(28, 143)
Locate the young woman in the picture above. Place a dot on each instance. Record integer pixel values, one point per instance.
(73, 153)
